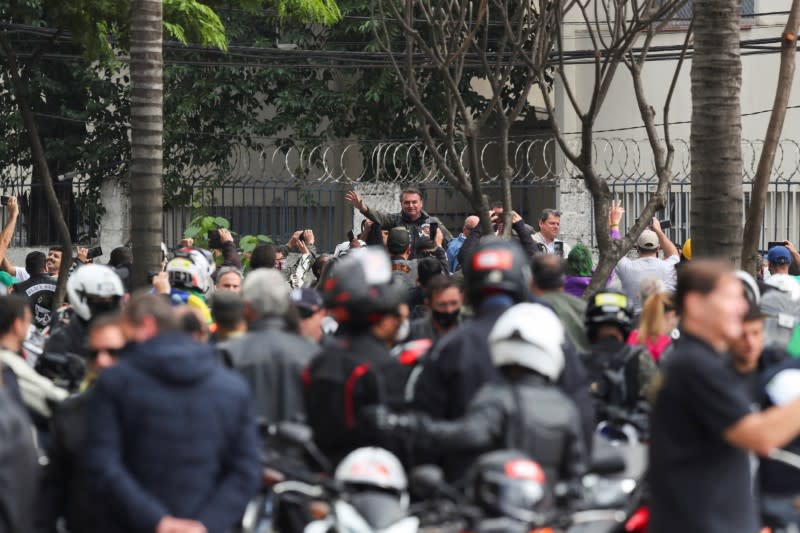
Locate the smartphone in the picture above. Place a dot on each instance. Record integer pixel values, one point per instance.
(302, 237)
(4, 200)
(558, 248)
(665, 224)
(434, 229)
(214, 241)
(97, 251)
(773, 244)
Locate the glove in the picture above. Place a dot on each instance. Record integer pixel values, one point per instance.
(382, 419)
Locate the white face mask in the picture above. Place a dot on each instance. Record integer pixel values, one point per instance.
(403, 331)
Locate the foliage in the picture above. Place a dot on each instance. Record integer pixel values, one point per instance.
(200, 226)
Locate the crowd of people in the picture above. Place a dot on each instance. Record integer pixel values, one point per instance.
(138, 410)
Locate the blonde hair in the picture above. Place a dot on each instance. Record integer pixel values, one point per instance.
(651, 321)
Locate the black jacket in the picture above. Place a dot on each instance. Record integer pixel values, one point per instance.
(393, 220)
(460, 364)
(66, 487)
(71, 337)
(336, 390)
(528, 414)
(171, 433)
(39, 290)
(271, 360)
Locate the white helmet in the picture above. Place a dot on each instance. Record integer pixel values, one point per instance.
(372, 466)
(784, 387)
(752, 292)
(192, 268)
(785, 283)
(93, 289)
(531, 336)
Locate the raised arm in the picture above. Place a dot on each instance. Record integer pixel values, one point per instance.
(615, 213)
(8, 230)
(373, 214)
(663, 241)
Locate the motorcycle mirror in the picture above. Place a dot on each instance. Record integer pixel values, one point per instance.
(427, 480)
(294, 433)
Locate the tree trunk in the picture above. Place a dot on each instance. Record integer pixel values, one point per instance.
(147, 122)
(755, 211)
(716, 150)
(21, 89)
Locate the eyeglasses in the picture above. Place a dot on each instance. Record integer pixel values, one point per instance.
(113, 352)
(306, 313)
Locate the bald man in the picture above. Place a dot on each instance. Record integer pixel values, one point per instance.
(470, 223)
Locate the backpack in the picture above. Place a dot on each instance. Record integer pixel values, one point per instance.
(337, 385)
(614, 377)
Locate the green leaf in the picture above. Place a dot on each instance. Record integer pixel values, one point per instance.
(191, 232)
(222, 222)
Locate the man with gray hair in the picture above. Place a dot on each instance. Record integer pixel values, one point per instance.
(270, 357)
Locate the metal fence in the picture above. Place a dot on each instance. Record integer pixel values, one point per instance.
(277, 191)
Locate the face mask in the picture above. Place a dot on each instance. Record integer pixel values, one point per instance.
(446, 320)
(403, 331)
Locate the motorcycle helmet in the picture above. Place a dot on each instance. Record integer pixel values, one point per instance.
(751, 290)
(609, 307)
(529, 335)
(361, 289)
(192, 268)
(508, 483)
(93, 290)
(374, 467)
(784, 387)
(497, 266)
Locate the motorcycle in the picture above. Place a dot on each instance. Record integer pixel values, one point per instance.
(289, 456)
(369, 494)
(507, 492)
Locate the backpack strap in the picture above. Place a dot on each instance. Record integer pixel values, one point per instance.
(349, 394)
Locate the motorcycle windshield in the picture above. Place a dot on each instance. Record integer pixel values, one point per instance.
(379, 509)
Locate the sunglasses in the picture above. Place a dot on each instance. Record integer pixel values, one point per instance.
(306, 313)
(113, 352)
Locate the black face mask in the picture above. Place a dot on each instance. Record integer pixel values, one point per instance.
(446, 320)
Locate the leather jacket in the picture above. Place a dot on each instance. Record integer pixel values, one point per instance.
(528, 414)
(271, 360)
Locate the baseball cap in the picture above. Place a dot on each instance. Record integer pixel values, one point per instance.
(648, 240)
(306, 298)
(779, 255)
(398, 240)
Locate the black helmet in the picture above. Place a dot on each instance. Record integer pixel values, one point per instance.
(609, 307)
(497, 266)
(361, 289)
(508, 483)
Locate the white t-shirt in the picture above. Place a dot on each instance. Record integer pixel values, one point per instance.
(22, 274)
(632, 272)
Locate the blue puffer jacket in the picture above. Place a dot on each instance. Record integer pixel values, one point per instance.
(171, 433)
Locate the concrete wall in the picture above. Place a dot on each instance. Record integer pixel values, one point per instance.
(759, 78)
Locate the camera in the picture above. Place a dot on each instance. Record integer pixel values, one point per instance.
(97, 251)
(214, 241)
(4, 200)
(665, 224)
(302, 237)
